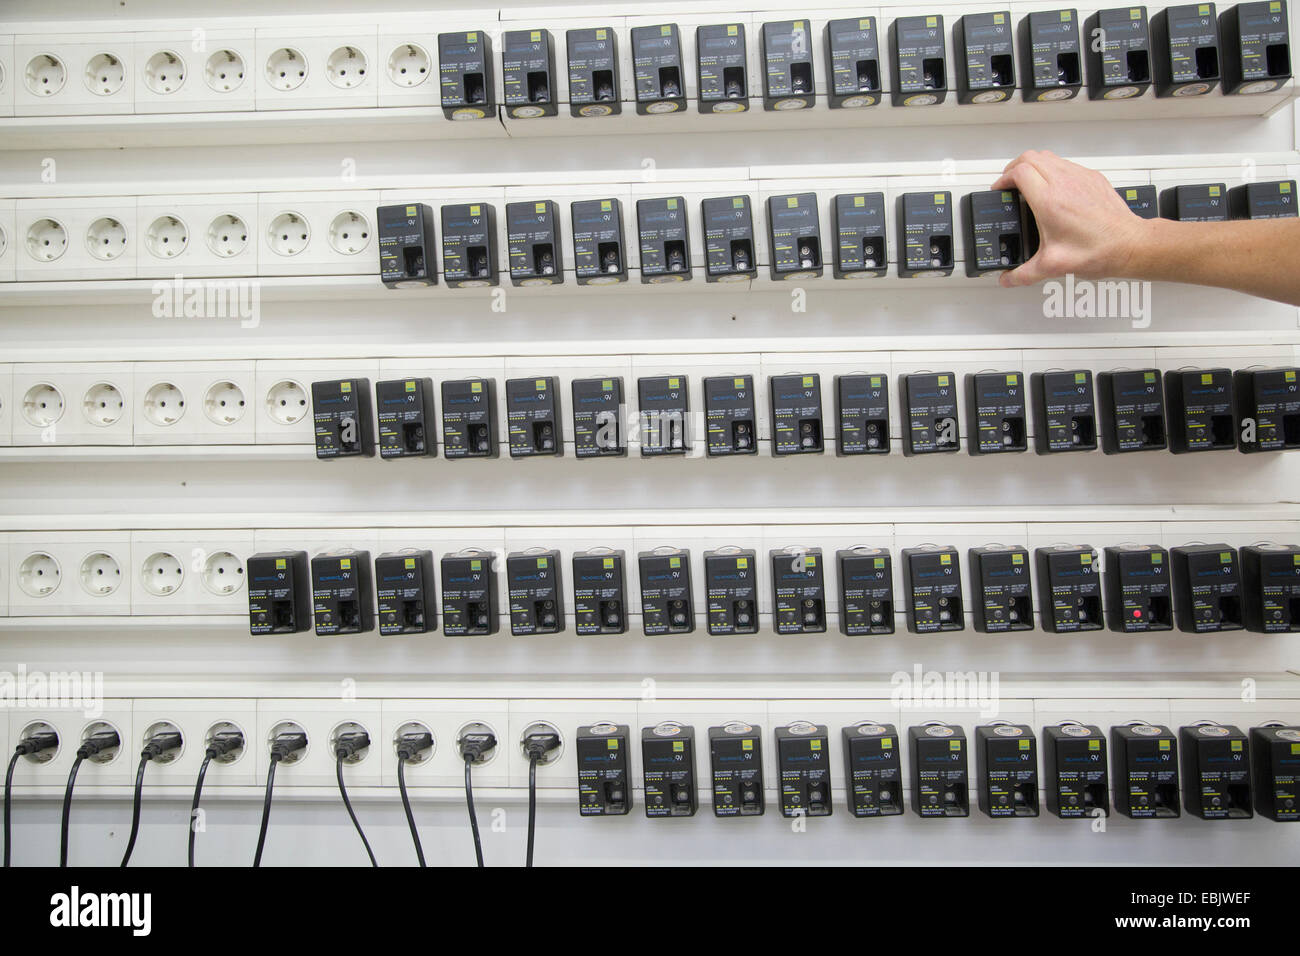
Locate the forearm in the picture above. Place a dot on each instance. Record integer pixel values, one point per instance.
(1258, 257)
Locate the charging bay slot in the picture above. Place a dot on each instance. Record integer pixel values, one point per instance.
(1275, 200)
(406, 418)
(533, 236)
(1145, 761)
(668, 774)
(1256, 43)
(536, 593)
(600, 592)
(1270, 575)
(1075, 779)
(528, 73)
(469, 245)
(1200, 410)
(925, 234)
(604, 784)
(736, 761)
(1001, 589)
(722, 69)
(853, 62)
(728, 239)
(860, 246)
(469, 418)
(803, 761)
(667, 606)
(996, 414)
(664, 404)
(1186, 43)
(407, 255)
(994, 234)
(940, 780)
(1119, 56)
(1138, 591)
(1216, 781)
(1069, 588)
(932, 583)
(341, 416)
(657, 64)
(862, 411)
(469, 594)
(1066, 411)
(794, 232)
(598, 418)
(1203, 202)
(1006, 761)
(796, 414)
(404, 585)
(663, 226)
(593, 72)
(1276, 772)
(1141, 200)
(873, 772)
(599, 256)
(731, 590)
(984, 55)
(798, 591)
(1132, 411)
(279, 593)
(866, 591)
(1268, 409)
(930, 404)
(1207, 588)
(729, 415)
(533, 417)
(787, 65)
(919, 54)
(465, 70)
(342, 593)
(1051, 56)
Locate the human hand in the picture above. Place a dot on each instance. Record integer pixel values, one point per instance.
(1084, 227)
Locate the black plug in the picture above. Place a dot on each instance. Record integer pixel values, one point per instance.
(161, 743)
(287, 744)
(538, 745)
(351, 743)
(475, 747)
(409, 745)
(37, 743)
(97, 743)
(224, 742)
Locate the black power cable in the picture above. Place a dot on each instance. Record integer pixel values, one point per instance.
(30, 745)
(349, 745)
(475, 748)
(155, 747)
(222, 744)
(408, 747)
(284, 746)
(536, 748)
(91, 747)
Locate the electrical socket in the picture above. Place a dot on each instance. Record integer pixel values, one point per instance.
(315, 68)
(87, 404)
(6, 404)
(76, 238)
(197, 718)
(8, 240)
(72, 725)
(7, 76)
(196, 236)
(195, 403)
(566, 716)
(4, 574)
(565, 369)
(317, 234)
(179, 73)
(73, 74)
(89, 571)
(320, 718)
(189, 572)
(283, 396)
(446, 718)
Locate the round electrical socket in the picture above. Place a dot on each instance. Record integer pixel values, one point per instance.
(542, 727)
(288, 234)
(164, 72)
(45, 74)
(225, 727)
(227, 236)
(41, 727)
(166, 237)
(42, 405)
(478, 727)
(348, 727)
(39, 575)
(162, 573)
(164, 404)
(3, 77)
(98, 727)
(164, 727)
(409, 64)
(289, 727)
(223, 573)
(46, 240)
(105, 74)
(102, 404)
(286, 69)
(100, 574)
(106, 238)
(4, 241)
(349, 233)
(416, 727)
(224, 71)
(346, 67)
(286, 402)
(224, 403)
